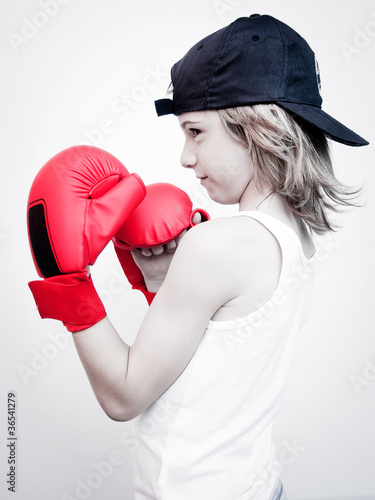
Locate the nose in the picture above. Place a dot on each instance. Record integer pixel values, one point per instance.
(188, 158)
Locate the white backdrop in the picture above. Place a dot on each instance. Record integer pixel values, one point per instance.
(88, 71)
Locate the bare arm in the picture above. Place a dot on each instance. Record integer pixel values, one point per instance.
(126, 380)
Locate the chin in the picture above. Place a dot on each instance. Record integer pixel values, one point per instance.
(222, 196)
(223, 199)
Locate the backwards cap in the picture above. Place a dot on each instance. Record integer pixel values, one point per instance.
(255, 59)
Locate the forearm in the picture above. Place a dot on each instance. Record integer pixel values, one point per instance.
(104, 356)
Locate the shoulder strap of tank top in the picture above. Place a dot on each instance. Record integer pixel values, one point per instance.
(287, 238)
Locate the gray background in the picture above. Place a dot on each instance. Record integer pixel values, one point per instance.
(88, 71)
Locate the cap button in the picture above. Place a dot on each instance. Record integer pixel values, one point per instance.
(255, 15)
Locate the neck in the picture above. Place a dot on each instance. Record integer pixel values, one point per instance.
(253, 197)
(269, 202)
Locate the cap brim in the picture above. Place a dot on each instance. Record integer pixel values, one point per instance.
(331, 127)
(312, 114)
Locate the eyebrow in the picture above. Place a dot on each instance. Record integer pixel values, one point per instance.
(190, 122)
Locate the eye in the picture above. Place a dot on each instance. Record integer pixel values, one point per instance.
(195, 131)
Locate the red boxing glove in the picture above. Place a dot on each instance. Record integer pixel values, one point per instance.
(78, 201)
(162, 216)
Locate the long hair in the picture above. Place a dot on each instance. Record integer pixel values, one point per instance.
(293, 158)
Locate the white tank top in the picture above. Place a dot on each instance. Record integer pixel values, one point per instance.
(209, 436)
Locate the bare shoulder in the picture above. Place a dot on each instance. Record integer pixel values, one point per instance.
(235, 260)
(236, 234)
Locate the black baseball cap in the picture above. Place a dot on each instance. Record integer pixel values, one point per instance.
(253, 60)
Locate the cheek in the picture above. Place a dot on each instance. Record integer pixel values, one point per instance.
(229, 170)
(235, 175)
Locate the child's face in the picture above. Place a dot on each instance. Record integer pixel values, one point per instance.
(220, 162)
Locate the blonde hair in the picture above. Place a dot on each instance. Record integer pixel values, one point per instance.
(293, 158)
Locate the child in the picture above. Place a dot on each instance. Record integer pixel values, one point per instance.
(209, 364)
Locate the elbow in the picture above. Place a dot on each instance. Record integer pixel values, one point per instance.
(120, 402)
(119, 416)
(119, 412)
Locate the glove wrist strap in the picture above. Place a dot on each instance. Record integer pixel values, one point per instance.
(70, 298)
